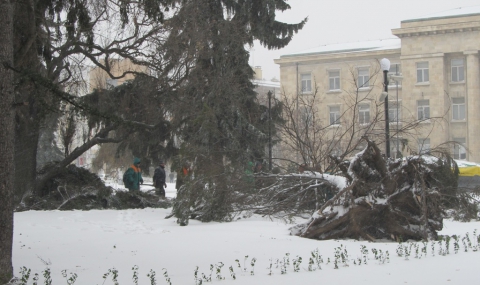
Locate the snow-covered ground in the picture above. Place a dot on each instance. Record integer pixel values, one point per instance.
(90, 243)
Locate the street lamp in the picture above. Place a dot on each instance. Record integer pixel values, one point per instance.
(269, 130)
(385, 65)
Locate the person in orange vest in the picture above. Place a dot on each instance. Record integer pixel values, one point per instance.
(132, 178)
(182, 174)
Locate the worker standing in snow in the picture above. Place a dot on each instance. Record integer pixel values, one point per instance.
(132, 178)
(159, 178)
(182, 175)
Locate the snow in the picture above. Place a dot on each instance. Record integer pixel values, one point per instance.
(339, 181)
(461, 11)
(89, 243)
(381, 44)
(464, 163)
(266, 83)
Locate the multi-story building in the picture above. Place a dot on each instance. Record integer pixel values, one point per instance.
(435, 102)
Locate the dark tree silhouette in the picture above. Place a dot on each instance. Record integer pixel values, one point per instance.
(6, 140)
(216, 115)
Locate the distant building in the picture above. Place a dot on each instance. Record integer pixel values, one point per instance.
(262, 86)
(438, 58)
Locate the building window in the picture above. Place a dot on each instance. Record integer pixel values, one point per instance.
(423, 109)
(306, 83)
(334, 80)
(307, 116)
(458, 109)
(424, 146)
(458, 70)
(394, 114)
(422, 72)
(364, 114)
(396, 147)
(459, 150)
(394, 70)
(363, 77)
(334, 115)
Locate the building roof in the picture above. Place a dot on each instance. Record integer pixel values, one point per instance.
(457, 12)
(385, 44)
(267, 83)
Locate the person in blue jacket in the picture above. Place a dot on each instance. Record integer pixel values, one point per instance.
(132, 178)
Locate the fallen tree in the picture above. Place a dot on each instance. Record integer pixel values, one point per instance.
(75, 188)
(396, 200)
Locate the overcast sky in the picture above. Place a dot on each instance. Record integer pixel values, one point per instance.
(342, 21)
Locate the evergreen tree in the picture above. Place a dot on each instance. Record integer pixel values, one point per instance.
(219, 120)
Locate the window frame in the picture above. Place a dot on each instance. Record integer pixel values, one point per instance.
(458, 70)
(363, 80)
(336, 120)
(336, 80)
(307, 116)
(394, 71)
(423, 71)
(392, 111)
(364, 114)
(423, 108)
(424, 146)
(307, 81)
(457, 108)
(460, 149)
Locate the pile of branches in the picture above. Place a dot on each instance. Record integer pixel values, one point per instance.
(232, 195)
(75, 188)
(294, 195)
(384, 199)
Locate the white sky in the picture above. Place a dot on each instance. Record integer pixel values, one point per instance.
(343, 21)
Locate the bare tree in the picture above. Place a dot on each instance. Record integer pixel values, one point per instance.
(321, 142)
(54, 40)
(324, 146)
(316, 137)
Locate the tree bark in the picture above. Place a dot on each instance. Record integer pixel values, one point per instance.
(27, 97)
(7, 136)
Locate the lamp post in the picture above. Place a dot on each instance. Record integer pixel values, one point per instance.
(385, 65)
(269, 130)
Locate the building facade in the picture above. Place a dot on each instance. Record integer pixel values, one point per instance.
(433, 90)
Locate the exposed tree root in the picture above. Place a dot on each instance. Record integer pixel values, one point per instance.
(398, 200)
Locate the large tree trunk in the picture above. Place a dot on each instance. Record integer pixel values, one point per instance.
(27, 97)
(6, 140)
